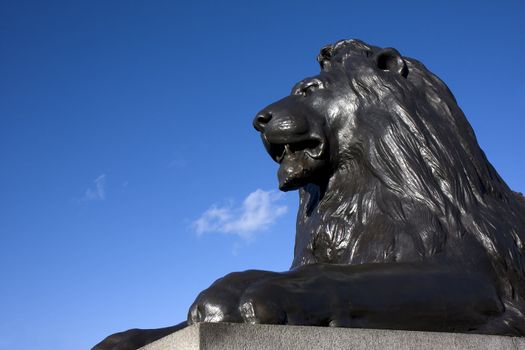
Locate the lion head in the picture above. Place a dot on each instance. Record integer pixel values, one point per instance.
(389, 169)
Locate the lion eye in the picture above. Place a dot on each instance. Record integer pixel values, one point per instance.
(308, 87)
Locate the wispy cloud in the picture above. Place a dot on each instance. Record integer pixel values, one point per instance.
(258, 211)
(178, 161)
(98, 191)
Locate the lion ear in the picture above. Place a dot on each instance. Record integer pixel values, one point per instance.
(390, 59)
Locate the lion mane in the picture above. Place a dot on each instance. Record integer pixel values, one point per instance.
(413, 185)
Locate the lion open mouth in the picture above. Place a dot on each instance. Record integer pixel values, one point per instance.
(312, 147)
(298, 161)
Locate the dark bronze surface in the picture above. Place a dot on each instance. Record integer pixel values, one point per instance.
(403, 223)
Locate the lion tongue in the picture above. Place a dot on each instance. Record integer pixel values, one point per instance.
(292, 171)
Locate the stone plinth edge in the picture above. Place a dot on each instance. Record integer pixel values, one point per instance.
(226, 336)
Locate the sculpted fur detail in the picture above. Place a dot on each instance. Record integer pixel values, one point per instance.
(406, 156)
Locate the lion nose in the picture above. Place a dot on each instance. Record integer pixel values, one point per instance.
(260, 121)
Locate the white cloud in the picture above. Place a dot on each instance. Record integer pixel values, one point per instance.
(98, 192)
(258, 211)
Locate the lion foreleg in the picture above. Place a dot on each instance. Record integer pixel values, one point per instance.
(410, 296)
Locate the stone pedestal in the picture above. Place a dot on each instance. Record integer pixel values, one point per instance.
(224, 336)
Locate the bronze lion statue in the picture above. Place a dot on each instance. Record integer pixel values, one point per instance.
(403, 223)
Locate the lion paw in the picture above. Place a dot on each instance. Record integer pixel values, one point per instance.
(214, 305)
(295, 299)
(220, 302)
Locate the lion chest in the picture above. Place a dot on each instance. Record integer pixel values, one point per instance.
(352, 233)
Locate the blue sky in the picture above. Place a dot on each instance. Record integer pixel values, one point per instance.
(131, 175)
